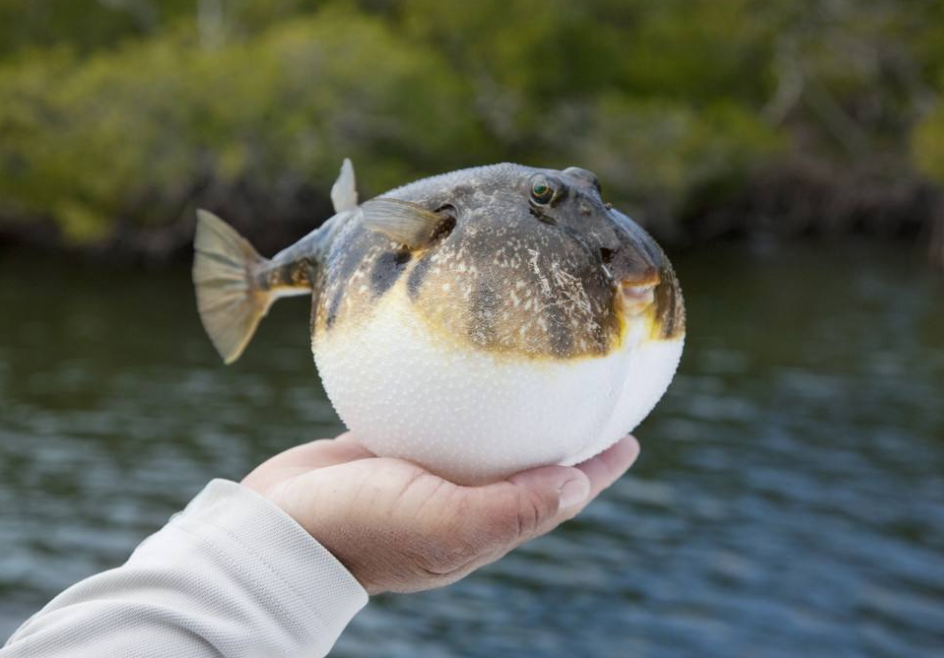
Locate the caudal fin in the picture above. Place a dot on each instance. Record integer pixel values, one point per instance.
(229, 298)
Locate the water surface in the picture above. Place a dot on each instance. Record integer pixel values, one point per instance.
(789, 499)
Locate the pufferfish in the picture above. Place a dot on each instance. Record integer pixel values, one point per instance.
(478, 322)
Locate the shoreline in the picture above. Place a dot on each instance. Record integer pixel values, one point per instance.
(779, 205)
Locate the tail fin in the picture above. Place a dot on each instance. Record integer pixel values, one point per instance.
(230, 300)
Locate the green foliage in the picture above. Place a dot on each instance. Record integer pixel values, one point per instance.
(137, 130)
(128, 112)
(928, 145)
(927, 140)
(661, 151)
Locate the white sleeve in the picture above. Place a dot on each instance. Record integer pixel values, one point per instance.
(232, 575)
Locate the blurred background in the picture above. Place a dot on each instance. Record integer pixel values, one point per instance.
(788, 155)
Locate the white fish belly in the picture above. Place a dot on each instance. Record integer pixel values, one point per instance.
(472, 416)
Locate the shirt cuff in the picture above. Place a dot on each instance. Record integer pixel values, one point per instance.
(310, 586)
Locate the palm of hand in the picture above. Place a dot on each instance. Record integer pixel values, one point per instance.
(398, 527)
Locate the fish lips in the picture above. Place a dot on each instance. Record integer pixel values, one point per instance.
(643, 279)
(635, 266)
(634, 297)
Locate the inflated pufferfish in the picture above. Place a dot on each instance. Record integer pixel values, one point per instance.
(478, 323)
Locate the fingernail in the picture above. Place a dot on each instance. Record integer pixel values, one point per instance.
(573, 492)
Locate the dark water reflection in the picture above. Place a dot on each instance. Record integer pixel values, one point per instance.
(789, 500)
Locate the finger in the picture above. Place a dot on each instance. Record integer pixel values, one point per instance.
(574, 492)
(528, 504)
(607, 467)
(310, 456)
(562, 486)
(325, 452)
(535, 501)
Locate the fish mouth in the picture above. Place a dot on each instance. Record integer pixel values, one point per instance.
(636, 296)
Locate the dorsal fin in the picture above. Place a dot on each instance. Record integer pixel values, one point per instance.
(344, 190)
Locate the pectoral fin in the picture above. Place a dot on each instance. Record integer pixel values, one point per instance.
(407, 223)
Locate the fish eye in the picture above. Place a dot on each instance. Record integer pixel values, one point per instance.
(542, 191)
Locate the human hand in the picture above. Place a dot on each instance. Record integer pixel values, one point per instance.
(399, 528)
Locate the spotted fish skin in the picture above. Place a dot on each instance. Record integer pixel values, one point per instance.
(504, 274)
(511, 260)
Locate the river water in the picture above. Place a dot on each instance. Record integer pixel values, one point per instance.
(789, 499)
